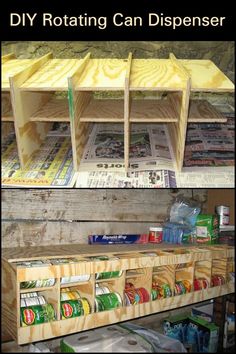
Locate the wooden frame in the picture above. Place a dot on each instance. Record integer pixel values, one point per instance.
(137, 264)
(34, 81)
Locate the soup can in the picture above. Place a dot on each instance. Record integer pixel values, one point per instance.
(155, 234)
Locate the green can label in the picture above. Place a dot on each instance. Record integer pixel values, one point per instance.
(71, 308)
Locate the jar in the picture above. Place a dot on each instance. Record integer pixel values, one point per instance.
(155, 234)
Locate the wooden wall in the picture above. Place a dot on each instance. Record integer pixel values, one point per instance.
(47, 217)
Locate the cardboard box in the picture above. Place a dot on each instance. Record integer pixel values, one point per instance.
(207, 229)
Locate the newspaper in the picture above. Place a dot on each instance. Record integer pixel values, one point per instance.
(51, 166)
(211, 144)
(136, 179)
(149, 148)
(215, 177)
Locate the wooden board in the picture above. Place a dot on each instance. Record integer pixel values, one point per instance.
(91, 205)
(103, 74)
(7, 57)
(202, 269)
(10, 300)
(6, 108)
(103, 110)
(155, 74)
(55, 110)
(206, 76)
(53, 75)
(201, 111)
(152, 111)
(77, 103)
(13, 67)
(21, 253)
(127, 104)
(29, 135)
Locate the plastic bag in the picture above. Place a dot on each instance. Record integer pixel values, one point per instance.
(184, 211)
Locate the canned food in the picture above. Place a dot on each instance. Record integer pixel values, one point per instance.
(108, 275)
(86, 306)
(99, 290)
(108, 301)
(71, 308)
(223, 212)
(37, 283)
(37, 314)
(70, 295)
(155, 234)
(75, 279)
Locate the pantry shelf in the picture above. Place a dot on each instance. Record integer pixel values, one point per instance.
(201, 111)
(142, 269)
(55, 110)
(104, 110)
(151, 111)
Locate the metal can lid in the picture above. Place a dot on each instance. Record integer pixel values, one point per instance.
(157, 228)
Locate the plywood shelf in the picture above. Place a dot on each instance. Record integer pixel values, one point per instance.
(7, 117)
(55, 110)
(201, 111)
(155, 74)
(53, 75)
(104, 110)
(152, 111)
(206, 76)
(71, 285)
(103, 74)
(29, 81)
(11, 68)
(137, 269)
(33, 290)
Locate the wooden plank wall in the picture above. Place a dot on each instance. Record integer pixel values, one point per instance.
(47, 217)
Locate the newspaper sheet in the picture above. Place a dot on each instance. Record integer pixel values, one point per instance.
(51, 166)
(215, 177)
(143, 179)
(149, 148)
(211, 144)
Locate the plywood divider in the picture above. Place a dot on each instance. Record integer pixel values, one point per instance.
(10, 300)
(165, 275)
(202, 269)
(77, 102)
(142, 279)
(177, 131)
(7, 57)
(127, 105)
(29, 135)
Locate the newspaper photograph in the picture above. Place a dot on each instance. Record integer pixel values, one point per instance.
(51, 166)
(211, 144)
(149, 148)
(136, 179)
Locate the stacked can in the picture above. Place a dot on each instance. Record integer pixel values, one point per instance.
(160, 291)
(134, 295)
(217, 280)
(36, 314)
(73, 305)
(106, 300)
(41, 283)
(75, 279)
(200, 283)
(182, 287)
(223, 212)
(31, 299)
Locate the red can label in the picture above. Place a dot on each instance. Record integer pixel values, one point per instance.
(155, 236)
(29, 316)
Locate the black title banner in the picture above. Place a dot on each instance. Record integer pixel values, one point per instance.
(115, 20)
